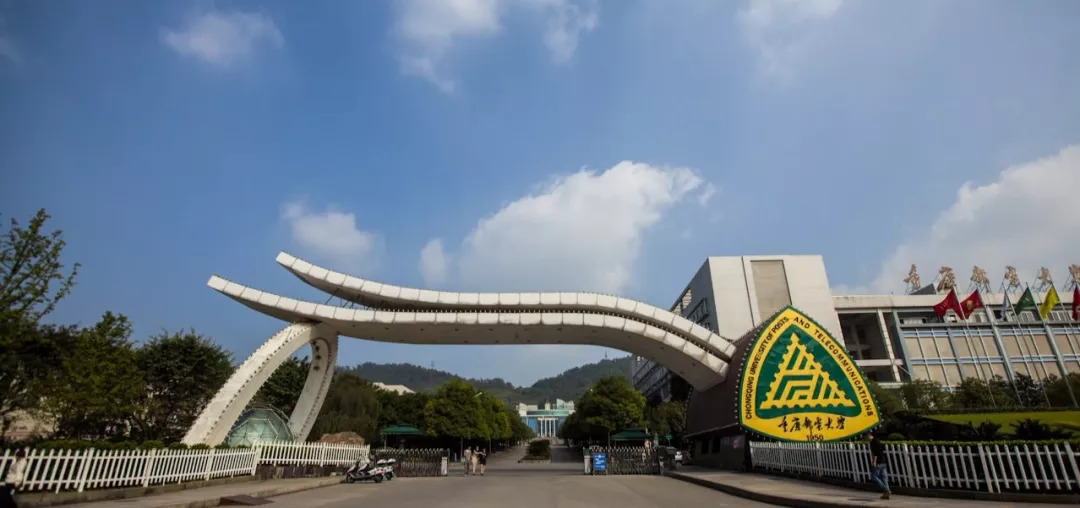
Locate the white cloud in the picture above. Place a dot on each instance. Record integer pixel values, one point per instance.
(1026, 218)
(434, 263)
(332, 235)
(583, 231)
(223, 39)
(430, 29)
(566, 22)
(779, 30)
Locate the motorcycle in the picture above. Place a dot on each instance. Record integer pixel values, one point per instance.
(388, 471)
(365, 472)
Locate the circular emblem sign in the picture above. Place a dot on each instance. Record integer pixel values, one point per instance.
(799, 384)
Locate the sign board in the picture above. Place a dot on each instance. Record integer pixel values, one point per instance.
(799, 384)
(599, 461)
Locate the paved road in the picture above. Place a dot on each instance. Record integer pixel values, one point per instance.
(537, 489)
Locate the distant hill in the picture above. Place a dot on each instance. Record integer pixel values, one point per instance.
(566, 386)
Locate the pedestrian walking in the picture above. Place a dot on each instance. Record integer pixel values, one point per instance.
(13, 480)
(483, 461)
(879, 470)
(474, 459)
(468, 459)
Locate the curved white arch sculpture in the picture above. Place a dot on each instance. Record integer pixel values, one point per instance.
(380, 295)
(436, 317)
(217, 418)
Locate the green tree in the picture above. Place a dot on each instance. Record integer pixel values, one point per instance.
(182, 371)
(975, 393)
(1057, 389)
(1029, 393)
(455, 411)
(351, 405)
(100, 387)
(31, 274)
(32, 281)
(284, 386)
(925, 395)
(407, 408)
(611, 405)
(887, 400)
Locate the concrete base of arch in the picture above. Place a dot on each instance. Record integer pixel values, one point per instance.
(217, 418)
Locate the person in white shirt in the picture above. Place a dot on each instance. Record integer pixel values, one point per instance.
(468, 459)
(16, 475)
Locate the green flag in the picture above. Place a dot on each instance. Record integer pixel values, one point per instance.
(1027, 302)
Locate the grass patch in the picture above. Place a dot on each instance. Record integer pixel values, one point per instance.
(1063, 420)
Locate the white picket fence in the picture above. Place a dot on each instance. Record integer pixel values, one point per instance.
(79, 470)
(986, 467)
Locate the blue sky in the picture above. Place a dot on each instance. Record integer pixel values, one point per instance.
(531, 144)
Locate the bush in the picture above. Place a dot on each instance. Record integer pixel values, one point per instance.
(199, 446)
(177, 446)
(150, 445)
(539, 450)
(895, 436)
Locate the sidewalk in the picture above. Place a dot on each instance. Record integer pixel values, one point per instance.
(804, 494)
(210, 496)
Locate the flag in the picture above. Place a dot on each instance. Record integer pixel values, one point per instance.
(1027, 301)
(1076, 303)
(951, 302)
(1006, 305)
(1049, 303)
(972, 302)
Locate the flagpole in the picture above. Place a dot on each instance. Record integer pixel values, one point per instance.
(1030, 346)
(1053, 346)
(967, 334)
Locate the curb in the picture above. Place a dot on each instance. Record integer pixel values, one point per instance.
(267, 492)
(754, 495)
(1032, 499)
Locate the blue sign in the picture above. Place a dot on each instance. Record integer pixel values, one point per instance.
(599, 462)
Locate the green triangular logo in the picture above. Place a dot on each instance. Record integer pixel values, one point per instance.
(802, 377)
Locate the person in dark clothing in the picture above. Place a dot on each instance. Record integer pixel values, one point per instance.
(879, 467)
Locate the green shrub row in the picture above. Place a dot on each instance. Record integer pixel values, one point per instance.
(81, 444)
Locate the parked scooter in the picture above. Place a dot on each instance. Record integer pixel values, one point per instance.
(366, 472)
(388, 469)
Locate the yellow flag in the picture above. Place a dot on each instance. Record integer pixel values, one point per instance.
(1049, 303)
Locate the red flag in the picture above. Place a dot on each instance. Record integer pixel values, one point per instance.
(972, 302)
(951, 301)
(1076, 303)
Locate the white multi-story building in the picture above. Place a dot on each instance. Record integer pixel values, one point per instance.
(893, 338)
(546, 421)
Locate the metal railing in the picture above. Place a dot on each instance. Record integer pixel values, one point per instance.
(90, 468)
(985, 467)
(627, 460)
(416, 462)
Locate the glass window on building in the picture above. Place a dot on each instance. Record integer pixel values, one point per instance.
(937, 374)
(998, 369)
(1042, 344)
(913, 350)
(1064, 345)
(943, 347)
(919, 371)
(990, 348)
(1012, 345)
(1052, 368)
(1023, 368)
(1073, 366)
(952, 372)
(963, 347)
(928, 349)
(970, 370)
